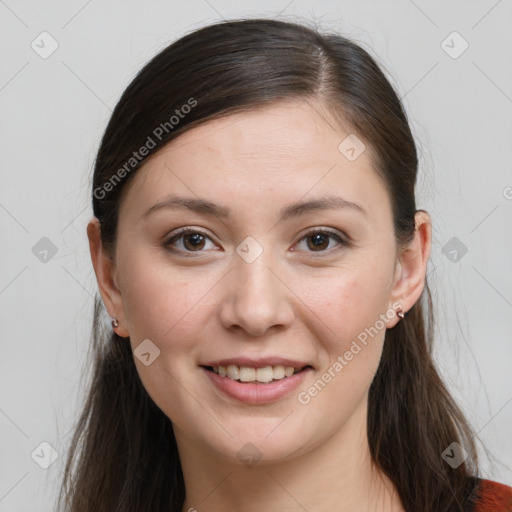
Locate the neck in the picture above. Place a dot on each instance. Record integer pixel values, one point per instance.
(336, 475)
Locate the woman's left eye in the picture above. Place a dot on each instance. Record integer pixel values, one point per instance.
(319, 241)
(193, 240)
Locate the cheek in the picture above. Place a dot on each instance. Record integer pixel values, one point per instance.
(165, 304)
(351, 302)
(171, 308)
(352, 306)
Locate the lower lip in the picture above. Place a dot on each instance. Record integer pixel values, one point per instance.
(253, 393)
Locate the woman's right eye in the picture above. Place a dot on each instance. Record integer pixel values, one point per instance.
(191, 240)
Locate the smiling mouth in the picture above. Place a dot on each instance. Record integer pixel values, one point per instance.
(247, 374)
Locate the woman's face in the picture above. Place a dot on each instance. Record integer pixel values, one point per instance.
(276, 272)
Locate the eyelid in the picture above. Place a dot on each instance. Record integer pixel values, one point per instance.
(331, 231)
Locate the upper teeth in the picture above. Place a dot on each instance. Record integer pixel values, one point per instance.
(248, 374)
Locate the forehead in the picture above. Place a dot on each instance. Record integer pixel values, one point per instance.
(300, 129)
(287, 150)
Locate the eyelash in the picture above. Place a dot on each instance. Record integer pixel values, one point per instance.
(343, 241)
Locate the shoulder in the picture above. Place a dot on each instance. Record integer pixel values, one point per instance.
(493, 497)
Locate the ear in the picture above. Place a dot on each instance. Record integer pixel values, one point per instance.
(411, 266)
(105, 270)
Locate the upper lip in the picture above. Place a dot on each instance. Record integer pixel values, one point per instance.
(257, 363)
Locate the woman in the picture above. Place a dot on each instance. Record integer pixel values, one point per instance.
(257, 244)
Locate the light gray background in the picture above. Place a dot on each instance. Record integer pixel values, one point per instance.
(54, 111)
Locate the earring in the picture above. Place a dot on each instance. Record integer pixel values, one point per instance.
(115, 323)
(400, 314)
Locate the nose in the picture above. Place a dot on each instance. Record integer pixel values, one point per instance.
(257, 298)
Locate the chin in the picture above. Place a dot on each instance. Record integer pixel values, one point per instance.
(262, 443)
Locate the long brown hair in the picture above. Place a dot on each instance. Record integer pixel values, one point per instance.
(124, 455)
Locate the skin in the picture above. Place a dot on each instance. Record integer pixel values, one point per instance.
(294, 300)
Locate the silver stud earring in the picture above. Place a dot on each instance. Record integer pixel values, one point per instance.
(400, 314)
(115, 323)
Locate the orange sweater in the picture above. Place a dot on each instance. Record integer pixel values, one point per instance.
(493, 497)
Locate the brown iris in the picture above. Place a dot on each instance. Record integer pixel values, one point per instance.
(197, 241)
(320, 241)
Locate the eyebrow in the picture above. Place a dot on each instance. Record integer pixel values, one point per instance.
(204, 207)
